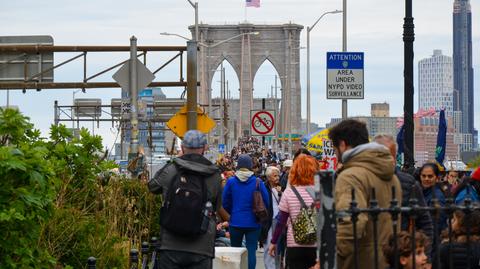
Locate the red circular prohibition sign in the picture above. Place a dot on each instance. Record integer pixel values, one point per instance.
(269, 127)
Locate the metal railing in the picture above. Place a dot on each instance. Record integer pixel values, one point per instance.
(148, 259)
(412, 211)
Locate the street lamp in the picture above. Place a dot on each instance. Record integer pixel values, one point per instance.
(309, 29)
(408, 91)
(195, 6)
(212, 45)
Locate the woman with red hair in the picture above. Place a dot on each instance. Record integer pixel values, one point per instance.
(301, 175)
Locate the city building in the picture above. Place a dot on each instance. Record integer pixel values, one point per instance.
(425, 137)
(435, 83)
(151, 133)
(380, 109)
(313, 126)
(463, 70)
(379, 121)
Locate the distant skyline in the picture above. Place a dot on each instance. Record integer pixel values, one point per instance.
(463, 80)
(435, 82)
(374, 27)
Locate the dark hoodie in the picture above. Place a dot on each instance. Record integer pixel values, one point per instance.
(203, 244)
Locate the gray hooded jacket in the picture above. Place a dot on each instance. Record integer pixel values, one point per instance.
(203, 244)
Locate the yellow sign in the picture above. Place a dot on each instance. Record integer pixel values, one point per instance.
(178, 123)
(322, 145)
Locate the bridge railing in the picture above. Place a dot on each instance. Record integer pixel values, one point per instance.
(148, 259)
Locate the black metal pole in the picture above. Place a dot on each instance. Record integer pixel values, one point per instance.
(192, 85)
(408, 39)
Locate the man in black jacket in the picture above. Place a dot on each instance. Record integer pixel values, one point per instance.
(410, 189)
(193, 251)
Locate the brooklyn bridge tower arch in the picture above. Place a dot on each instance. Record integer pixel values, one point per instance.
(279, 44)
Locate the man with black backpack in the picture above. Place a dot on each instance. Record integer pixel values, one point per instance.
(191, 188)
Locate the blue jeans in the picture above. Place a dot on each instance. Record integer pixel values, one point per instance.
(251, 237)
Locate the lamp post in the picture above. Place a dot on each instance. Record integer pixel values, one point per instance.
(309, 29)
(408, 39)
(195, 6)
(344, 49)
(73, 104)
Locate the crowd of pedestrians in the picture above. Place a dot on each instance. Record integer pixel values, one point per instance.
(287, 196)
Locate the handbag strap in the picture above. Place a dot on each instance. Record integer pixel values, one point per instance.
(275, 197)
(257, 184)
(299, 197)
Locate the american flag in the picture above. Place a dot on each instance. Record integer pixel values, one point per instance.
(253, 3)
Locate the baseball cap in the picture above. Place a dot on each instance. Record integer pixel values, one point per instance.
(194, 139)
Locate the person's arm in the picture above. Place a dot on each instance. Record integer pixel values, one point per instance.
(227, 197)
(218, 203)
(265, 195)
(281, 224)
(159, 183)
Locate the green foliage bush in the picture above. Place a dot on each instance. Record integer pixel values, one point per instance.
(59, 204)
(27, 192)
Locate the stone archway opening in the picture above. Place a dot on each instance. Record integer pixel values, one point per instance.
(224, 105)
(246, 53)
(267, 85)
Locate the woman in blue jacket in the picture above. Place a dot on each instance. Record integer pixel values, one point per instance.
(238, 202)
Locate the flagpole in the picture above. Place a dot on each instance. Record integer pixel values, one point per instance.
(245, 11)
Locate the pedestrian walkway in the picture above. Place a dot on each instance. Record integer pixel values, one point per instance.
(260, 264)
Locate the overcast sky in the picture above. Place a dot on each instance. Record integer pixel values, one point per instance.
(374, 27)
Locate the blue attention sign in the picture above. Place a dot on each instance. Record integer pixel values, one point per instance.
(345, 75)
(344, 60)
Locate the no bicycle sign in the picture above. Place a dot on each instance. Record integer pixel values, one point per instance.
(262, 122)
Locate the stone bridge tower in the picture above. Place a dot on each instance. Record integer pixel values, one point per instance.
(279, 44)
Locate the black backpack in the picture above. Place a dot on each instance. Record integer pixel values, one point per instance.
(184, 211)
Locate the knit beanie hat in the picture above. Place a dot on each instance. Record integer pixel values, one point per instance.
(244, 161)
(476, 174)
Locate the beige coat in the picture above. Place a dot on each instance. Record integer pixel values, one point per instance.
(365, 167)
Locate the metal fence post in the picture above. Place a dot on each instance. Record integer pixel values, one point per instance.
(155, 246)
(435, 219)
(133, 259)
(374, 212)
(355, 212)
(449, 211)
(91, 263)
(394, 211)
(413, 218)
(145, 250)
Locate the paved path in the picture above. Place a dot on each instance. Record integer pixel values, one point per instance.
(260, 264)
